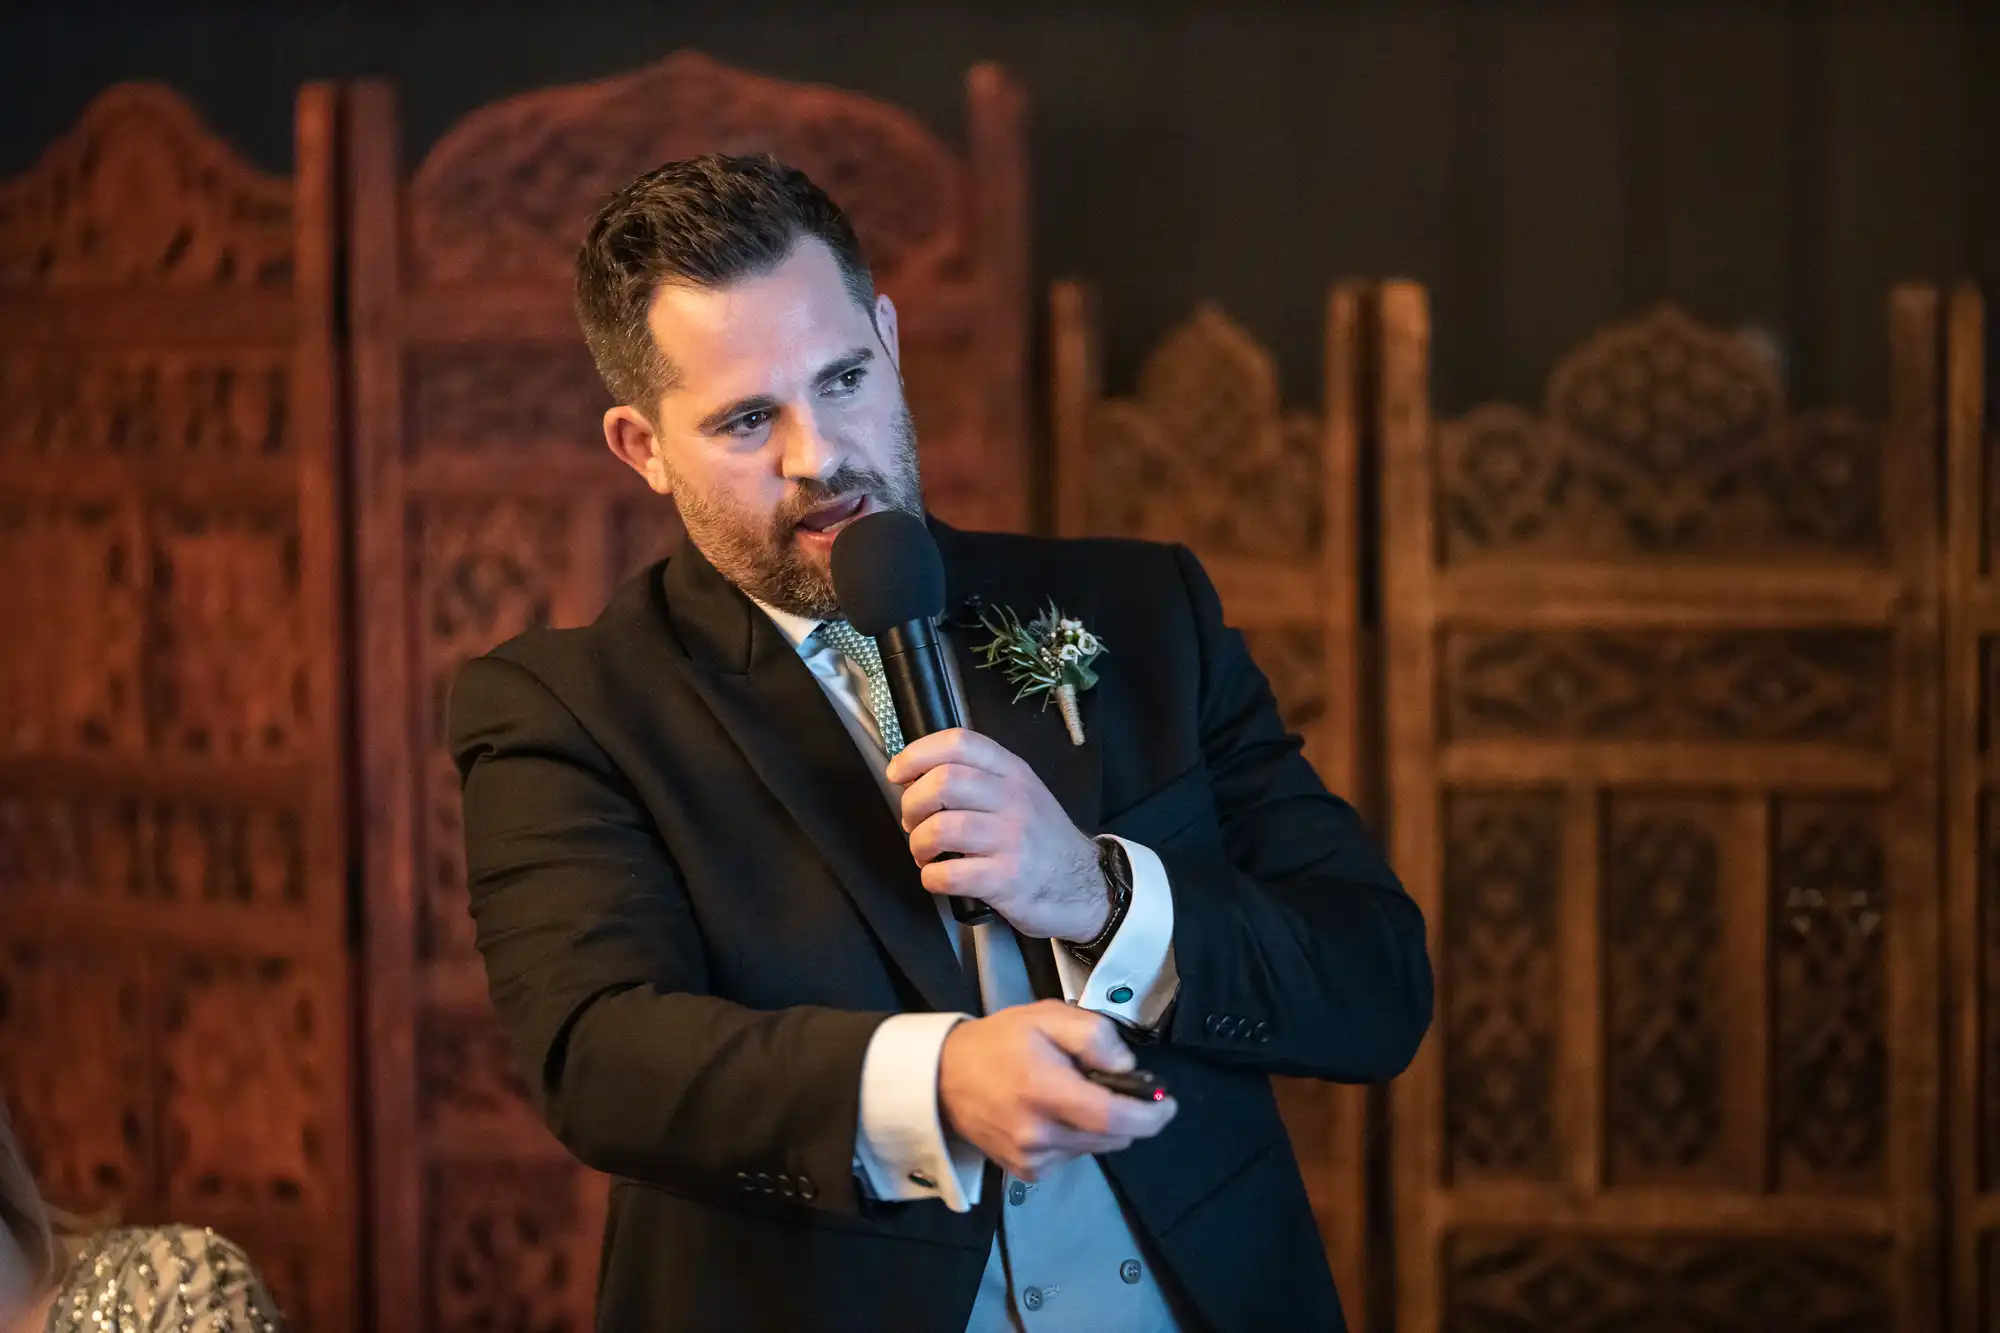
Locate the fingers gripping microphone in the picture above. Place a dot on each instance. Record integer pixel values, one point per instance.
(890, 582)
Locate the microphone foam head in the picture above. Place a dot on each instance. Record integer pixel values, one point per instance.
(887, 571)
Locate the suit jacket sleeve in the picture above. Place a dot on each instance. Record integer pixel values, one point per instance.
(597, 968)
(1299, 952)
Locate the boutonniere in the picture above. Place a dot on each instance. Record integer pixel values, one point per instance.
(1051, 656)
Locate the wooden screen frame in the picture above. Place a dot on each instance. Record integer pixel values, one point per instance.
(1329, 1124)
(1896, 598)
(217, 354)
(1972, 622)
(388, 320)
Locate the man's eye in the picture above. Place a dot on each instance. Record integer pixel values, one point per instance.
(750, 422)
(847, 381)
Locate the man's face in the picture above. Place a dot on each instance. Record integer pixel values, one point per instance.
(785, 423)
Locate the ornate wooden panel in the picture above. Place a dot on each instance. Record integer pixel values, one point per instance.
(1662, 741)
(1972, 806)
(486, 503)
(1501, 1283)
(1205, 453)
(174, 984)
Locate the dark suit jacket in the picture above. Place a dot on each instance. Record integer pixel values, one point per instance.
(695, 907)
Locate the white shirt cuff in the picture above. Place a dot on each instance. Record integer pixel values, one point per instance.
(902, 1151)
(1135, 979)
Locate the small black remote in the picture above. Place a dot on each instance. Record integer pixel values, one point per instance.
(1137, 1083)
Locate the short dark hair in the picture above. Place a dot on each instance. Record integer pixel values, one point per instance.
(705, 222)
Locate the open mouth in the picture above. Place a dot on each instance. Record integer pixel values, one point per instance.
(830, 518)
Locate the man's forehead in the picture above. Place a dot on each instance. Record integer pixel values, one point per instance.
(800, 309)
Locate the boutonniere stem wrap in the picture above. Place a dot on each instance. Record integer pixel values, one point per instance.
(1051, 655)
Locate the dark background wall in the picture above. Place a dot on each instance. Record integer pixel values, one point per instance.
(1545, 167)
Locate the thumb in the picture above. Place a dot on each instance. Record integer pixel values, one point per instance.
(1090, 1039)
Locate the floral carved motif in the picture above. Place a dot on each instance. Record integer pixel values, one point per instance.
(1205, 454)
(1720, 1284)
(465, 1067)
(79, 686)
(85, 1123)
(505, 398)
(139, 192)
(508, 193)
(1659, 437)
(246, 1102)
(230, 677)
(62, 403)
(1830, 994)
(165, 851)
(1663, 962)
(1500, 887)
(486, 571)
(1829, 686)
(1293, 659)
(503, 1240)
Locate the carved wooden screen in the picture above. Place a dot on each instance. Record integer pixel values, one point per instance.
(173, 915)
(1205, 454)
(486, 503)
(1972, 810)
(1661, 706)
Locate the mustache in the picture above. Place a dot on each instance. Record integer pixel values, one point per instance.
(810, 494)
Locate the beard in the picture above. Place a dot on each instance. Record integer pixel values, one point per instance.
(763, 560)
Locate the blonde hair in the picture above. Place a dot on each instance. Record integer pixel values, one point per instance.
(22, 1211)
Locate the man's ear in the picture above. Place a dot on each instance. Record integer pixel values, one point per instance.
(631, 438)
(885, 329)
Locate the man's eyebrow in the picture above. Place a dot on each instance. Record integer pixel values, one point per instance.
(721, 416)
(764, 402)
(840, 365)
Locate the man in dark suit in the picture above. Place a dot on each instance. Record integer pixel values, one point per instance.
(707, 874)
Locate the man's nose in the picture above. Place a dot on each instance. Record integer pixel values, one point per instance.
(808, 452)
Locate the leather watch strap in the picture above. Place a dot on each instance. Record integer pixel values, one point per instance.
(1117, 871)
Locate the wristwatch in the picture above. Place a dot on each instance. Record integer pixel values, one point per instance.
(1117, 871)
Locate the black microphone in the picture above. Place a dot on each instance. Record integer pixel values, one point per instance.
(889, 579)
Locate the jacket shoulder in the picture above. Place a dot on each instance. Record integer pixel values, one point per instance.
(1090, 556)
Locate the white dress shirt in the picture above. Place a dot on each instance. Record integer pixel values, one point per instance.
(902, 1150)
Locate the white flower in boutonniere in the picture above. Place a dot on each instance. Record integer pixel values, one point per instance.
(1051, 656)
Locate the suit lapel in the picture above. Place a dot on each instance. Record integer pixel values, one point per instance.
(1036, 734)
(751, 676)
(1032, 731)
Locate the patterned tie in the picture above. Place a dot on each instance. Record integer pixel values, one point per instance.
(859, 649)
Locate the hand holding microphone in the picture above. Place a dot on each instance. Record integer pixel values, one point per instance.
(1032, 1085)
(889, 579)
(986, 830)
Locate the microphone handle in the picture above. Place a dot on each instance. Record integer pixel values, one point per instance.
(920, 688)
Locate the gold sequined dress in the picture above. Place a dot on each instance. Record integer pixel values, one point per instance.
(163, 1280)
